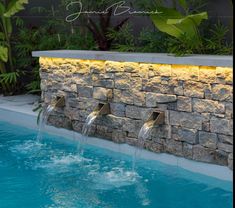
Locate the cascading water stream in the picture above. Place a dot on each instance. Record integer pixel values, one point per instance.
(144, 134)
(43, 120)
(89, 121)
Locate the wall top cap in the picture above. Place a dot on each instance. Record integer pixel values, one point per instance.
(159, 58)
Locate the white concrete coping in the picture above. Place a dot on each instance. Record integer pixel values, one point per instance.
(159, 58)
(18, 110)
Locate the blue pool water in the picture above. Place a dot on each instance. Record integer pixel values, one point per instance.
(51, 174)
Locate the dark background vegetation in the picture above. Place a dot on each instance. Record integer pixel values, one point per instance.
(42, 26)
(221, 9)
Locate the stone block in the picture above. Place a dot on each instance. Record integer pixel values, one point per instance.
(159, 132)
(225, 147)
(154, 147)
(125, 96)
(194, 89)
(137, 112)
(117, 109)
(207, 74)
(119, 136)
(139, 98)
(145, 69)
(222, 93)
(208, 106)
(185, 72)
(155, 86)
(229, 110)
(221, 158)
(97, 67)
(112, 66)
(187, 120)
(133, 127)
(85, 91)
(225, 139)
(103, 94)
(188, 150)
(189, 136)
(224, 75)
(122, 81)
(184, 104)
(162, 69)
(221, 126)
(152, 99)
(174, 147)
(207, 139)
(203, 154)
(131, 67)
(100, 81)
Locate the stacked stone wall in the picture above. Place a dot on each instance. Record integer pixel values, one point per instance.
(197, 101)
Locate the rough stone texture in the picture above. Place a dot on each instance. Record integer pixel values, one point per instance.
(203, 154)
(100, 93)
(207, 139)
(194, 89)
(225, 147)
(152, 99)
(197, 101)
(222, 92)
(190, 136)
(208, 106)
(84, 91)
(184, 104)
(118, 109)
(225, 139)
(188, 120)
(222, 126)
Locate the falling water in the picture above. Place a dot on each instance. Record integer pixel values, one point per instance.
(89, 121)
(144, 134)
(43, 120)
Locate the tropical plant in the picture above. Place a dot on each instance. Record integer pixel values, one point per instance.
(183, 27)
(123, 40)
(53, 34)
(9, 74)
(214, 40)
(152, 41)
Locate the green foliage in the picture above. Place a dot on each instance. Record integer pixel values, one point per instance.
(10, 78)
(14, 7)
(54, 34)
(3, 53)
(215, 42)
(152, 41)
(123, 40)
(7, 10)
(184, 28)
(8, 74)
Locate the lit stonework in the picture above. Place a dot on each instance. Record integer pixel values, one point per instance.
(197, 101)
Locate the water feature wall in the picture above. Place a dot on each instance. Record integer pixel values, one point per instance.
(197, 101)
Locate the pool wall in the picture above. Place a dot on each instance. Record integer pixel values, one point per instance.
(196, 94)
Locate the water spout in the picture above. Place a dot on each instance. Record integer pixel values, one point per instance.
(101, 109)
(59, 102)
(157, 118)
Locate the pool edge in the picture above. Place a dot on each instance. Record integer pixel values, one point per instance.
(28, 120)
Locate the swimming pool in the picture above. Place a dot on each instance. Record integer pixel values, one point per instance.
(51, 174)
